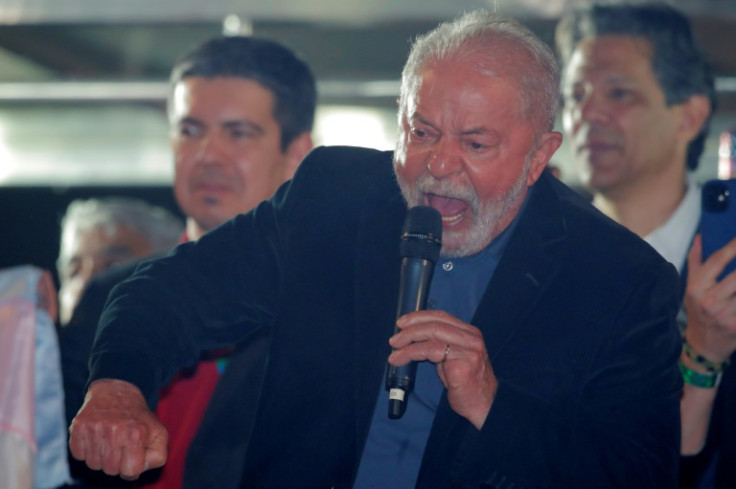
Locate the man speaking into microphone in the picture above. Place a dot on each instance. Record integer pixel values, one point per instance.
(546, 356)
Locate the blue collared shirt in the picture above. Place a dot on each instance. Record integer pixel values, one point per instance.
(394, 448)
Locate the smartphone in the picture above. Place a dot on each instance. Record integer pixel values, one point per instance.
(718, 218)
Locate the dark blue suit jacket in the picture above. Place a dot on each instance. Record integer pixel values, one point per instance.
(578, 320)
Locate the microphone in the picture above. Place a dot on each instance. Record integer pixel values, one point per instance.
(421, 240)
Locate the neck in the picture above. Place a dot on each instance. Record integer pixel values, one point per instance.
(194, 230)
(646, 204)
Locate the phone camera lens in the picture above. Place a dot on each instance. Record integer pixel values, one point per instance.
(715, 197)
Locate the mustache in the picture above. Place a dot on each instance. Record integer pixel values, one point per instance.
(596, 133)
(427, 184)
(209, 176)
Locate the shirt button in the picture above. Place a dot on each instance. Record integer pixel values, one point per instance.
(447, 266)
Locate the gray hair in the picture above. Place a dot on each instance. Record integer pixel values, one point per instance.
(481, 32)
(162, 227)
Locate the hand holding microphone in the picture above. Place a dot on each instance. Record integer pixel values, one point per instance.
(455, 346)
(458, 350)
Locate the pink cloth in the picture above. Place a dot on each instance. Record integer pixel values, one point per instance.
(17, 438)
(32, 427)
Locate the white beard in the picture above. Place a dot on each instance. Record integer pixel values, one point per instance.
(486, 215)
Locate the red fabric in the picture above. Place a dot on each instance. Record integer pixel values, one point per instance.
(181, 408)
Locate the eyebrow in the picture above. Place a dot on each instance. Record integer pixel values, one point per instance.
(418, 116)
(240, 124)
(476, 130)
(233, 124)
(618, 78)
(116, 250)
(189, 120)
(466, 132)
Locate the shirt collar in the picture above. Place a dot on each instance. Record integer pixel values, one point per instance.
(673, 238)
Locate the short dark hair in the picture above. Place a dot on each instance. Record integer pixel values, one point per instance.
(269, 63)
(680, 67)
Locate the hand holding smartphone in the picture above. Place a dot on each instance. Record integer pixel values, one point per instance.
(718, 218)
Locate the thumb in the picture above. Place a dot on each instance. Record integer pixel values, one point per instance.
(156, 452)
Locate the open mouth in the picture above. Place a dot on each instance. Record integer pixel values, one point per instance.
(451, 209)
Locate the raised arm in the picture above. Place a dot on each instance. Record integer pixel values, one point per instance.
(710, 338)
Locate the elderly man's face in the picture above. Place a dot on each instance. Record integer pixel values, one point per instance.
(89, 252)
(466, 150)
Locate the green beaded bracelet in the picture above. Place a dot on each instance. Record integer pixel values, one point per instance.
(704, 381)
(700, 360)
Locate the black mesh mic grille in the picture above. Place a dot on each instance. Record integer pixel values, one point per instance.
(421, 235)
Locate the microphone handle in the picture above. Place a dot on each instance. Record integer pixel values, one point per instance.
(416, 275)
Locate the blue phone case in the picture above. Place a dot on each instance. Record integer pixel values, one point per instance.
(718, 218)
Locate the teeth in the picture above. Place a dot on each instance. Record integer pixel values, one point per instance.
(451, 219)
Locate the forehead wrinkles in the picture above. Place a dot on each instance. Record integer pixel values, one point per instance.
(472, 99)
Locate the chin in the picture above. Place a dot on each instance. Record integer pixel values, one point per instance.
(599, 184)
(456, 245)
(209, 221)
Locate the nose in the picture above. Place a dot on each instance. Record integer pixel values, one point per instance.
(444, 159)
(210, 149)
(591, 108)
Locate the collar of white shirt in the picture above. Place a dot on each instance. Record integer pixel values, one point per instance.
(673, 238)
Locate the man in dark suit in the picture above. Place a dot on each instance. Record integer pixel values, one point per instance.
(241, 111)
(535, 364)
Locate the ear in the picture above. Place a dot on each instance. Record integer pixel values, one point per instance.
(546, 147)
(297, 150)
(695, 112)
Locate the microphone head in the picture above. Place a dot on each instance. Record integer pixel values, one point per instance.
(421, 236)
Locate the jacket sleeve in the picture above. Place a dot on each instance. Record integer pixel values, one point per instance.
(203, 295)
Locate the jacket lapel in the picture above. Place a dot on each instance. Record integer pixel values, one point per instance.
(531, 259)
